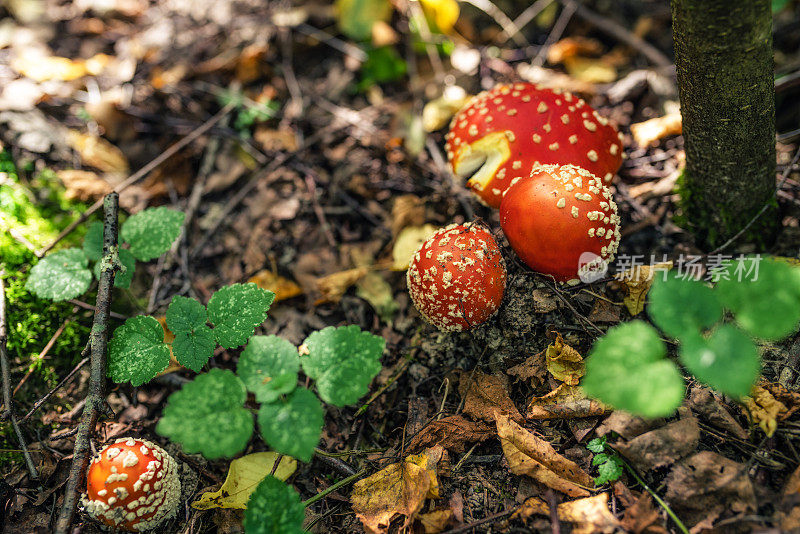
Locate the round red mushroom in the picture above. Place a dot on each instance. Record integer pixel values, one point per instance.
(132, 485)
(561, 221)
(500, 134)
(457, 277)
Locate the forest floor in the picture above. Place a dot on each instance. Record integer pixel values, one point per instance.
(303, 183)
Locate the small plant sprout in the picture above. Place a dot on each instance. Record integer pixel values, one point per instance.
(557, 217)
(500, 134)
(132, 485)
(609, 464)
(457, 277)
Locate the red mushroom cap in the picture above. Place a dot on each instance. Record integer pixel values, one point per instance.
(457, 277)
(500, 134)
(133, 485)
(561, 221)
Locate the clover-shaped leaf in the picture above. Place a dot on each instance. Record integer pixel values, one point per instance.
(268, 367)
(236, 310)
(137, 352)
(93, 241)
(208, 415)
(151, 232)
(194, 341)
(683, 308)
(292, 426)
(627, 369)
(124, 276)
(343, 361)
(274, 508)
(728, 360)
(764, 295)
(61, 275)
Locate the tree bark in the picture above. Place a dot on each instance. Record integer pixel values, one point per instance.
(723, 54)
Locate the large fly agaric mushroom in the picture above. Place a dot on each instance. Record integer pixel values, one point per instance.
(561, 221)
(133, 485)
(500, 134)
(457, 277)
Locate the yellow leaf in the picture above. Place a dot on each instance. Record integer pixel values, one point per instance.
(649, 132)
(564, 362)
(399, 488)
(764, 409)
(407, 243)
(282, 287)
(98, 152)
(637, 281)
(587, 515)
(437, 113)
(244, 474)
(46, 68)
(356, 17)
(444, 13)
(376, 290)
(564, 402)
(334, 286)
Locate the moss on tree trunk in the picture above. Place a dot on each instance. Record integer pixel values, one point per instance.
(723, 53)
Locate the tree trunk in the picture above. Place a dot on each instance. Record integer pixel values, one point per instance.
(723, 53)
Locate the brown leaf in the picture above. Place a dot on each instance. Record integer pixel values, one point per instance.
(407, 210)
(588, 515)
(789, 512)
(764, 409)
(628, 426)
(532, 369)
(564, 402)
(564, 362)
(334, 286)
(649, 132)
(703, 401)
(707, 483)
(97, 152)
(83, 185)
(275, 140)
(45, 68)
(436, 521)
(282, 287)
(570, 47)
(530, 455)
(484, 395)
(637, 281)
(604, 312)
(451, 432)
(400, 488)
(544, 300)
(642, 516)
(662, 446)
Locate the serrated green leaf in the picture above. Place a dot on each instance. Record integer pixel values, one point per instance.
(727, 361)
(768, 307)
(356, 17)
(292, 426)
(274, 508)
(268, 366)
(236, 310)
(683, 307)
(151, 232)
(185, 314)
(597, 445)
(208, 415)
(194, 349)
(61, 275)
(343, 361)
(626, 369)
(609, 471)
(599, 458)
(93, 241)
(124, 276)
(137, 352)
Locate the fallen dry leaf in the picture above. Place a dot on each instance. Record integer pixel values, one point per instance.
(564, 402)
(97, 152)
(789, 511)
(282, 287)
(588, 515)
(374, 288)
(408, 241)
(530, 455)
(764, 409)
(533, 370)
(451, 432)
(169, 337)
(662, 446)
(42, 68)
(83, 185)
(553, 79)
(570, 47)
(436, 521)
(407, 210)
(333, 287)
(564, 362)
(485, 395)
(649, 132)
(400, 488)
(628, 426)
(642, 515)
(704, 401)
(591, 70)
(437, 113)
(637, 281)
(275, 140)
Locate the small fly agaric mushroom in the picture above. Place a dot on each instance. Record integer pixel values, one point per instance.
(561, 221)
(133, 485)
(457, 277)
(501, 133)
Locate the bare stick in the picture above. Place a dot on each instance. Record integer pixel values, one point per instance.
(9, 410)
(97, 381)
(40, 402)
(141, 173)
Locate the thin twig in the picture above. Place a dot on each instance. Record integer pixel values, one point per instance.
(487, 519)
(555, 33)
(9, 409)
(97, 381)
(141, 173)
(501, 19)
(525, 18)
(40, 402)
(330, 489)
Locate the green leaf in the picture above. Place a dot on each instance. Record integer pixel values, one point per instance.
(356, 17)
(383, 64)
(626, 369)
(61, 275)
(599, 458)
(343, 361)
(93, 241)
(597, 445)
(683, 307)
(274, 508)
(124, 276)
(728, 360)
(185, 314)
(151, 232)
(236, 310)
(768, 307)
(268, 366)
(193, 350)
(137, 352)
(609, 470)
(292, 426)
(208, 416)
